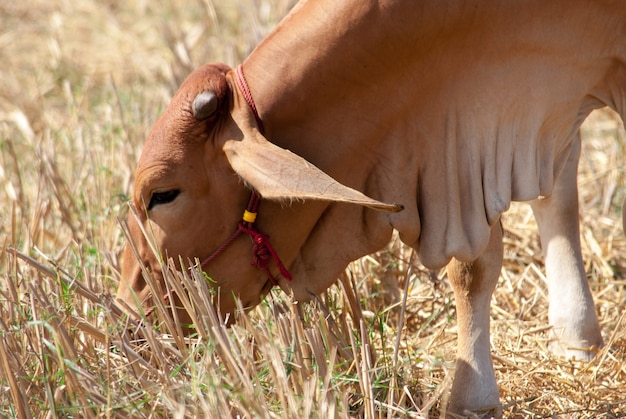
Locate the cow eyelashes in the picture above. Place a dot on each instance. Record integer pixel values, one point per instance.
(164, 197)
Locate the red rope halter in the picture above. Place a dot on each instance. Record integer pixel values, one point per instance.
(262, 250)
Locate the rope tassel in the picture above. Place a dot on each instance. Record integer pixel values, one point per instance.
(263, 252)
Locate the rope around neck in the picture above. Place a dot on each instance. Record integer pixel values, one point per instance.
(262, 250)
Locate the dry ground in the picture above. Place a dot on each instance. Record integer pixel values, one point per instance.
(80, 85)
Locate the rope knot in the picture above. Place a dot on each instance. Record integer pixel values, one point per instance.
(261, 255)
(263, 252)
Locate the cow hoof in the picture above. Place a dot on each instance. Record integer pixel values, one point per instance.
(579, 350)
(474, 390)
(482, 413)
(579, 340)
(575, 334)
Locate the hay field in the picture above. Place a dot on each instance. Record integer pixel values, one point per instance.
(80, 85)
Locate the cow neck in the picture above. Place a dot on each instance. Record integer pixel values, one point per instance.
(262, 250)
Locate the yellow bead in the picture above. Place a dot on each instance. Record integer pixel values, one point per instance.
(249, 217)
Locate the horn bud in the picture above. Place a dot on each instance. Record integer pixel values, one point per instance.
(204, 105)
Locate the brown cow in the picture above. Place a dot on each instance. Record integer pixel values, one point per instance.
(450, 109)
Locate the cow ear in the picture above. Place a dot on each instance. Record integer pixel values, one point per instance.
(279, 174)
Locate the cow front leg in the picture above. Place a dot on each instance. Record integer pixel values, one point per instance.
(575, 329)
(474, 387)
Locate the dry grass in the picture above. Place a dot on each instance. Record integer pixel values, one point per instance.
(80, 85)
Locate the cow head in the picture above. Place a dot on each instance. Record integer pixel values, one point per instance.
(191, 187)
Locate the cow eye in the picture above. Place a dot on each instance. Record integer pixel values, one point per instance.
(162, 197)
